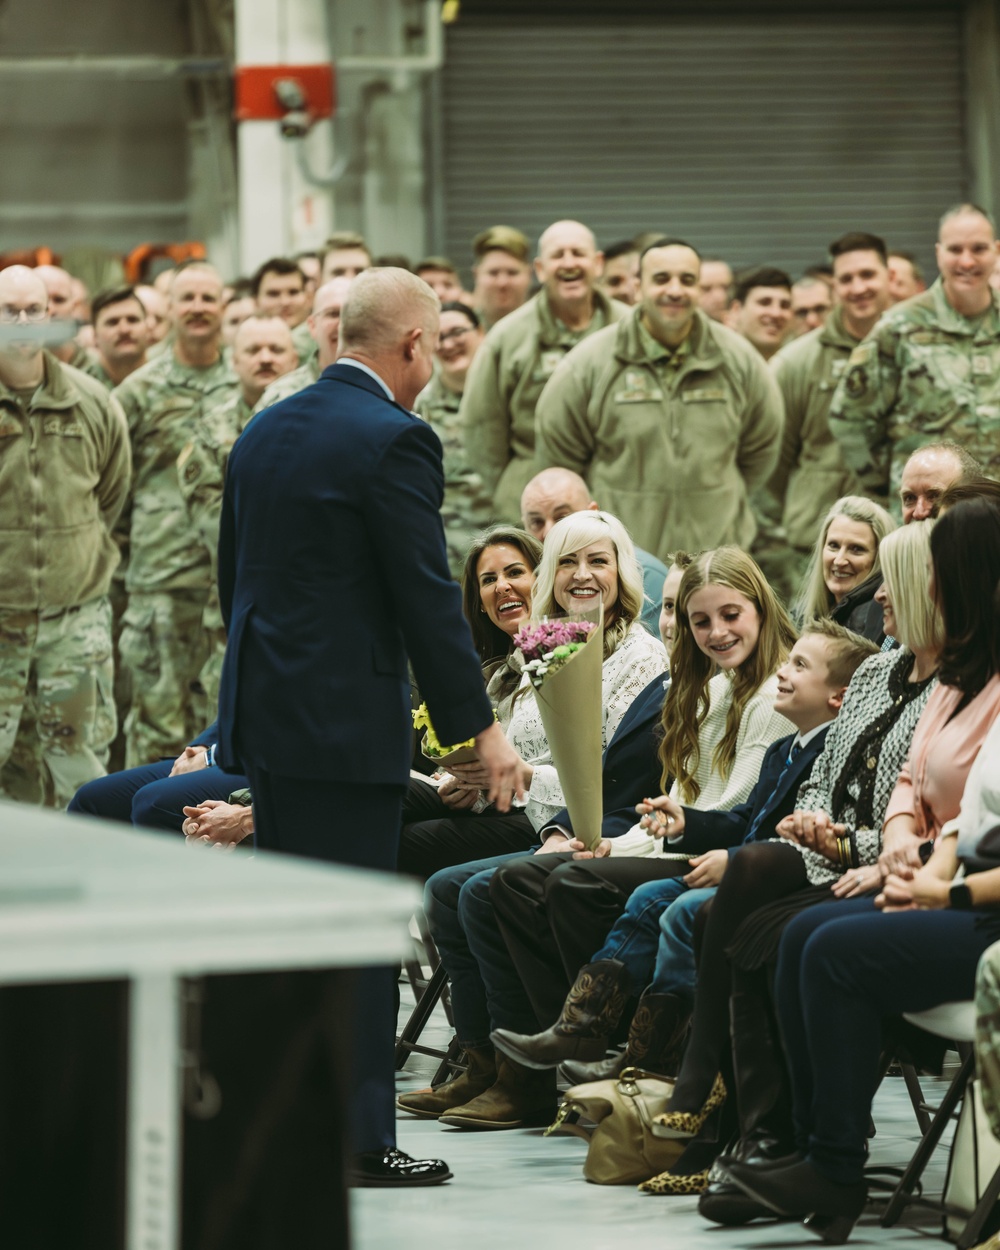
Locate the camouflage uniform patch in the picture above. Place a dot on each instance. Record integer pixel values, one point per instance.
(201, 471)
(467, 507)
(988, 1034)
(57, 712)
(164, 644)
(924, 374)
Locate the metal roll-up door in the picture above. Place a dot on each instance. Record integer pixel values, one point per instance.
(758, 138)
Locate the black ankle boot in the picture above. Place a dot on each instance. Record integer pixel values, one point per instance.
(799, 1191)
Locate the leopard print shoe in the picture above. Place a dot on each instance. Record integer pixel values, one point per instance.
(669, 1183)
(672, 1124)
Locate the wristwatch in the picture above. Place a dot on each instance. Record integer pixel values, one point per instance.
(960, 897)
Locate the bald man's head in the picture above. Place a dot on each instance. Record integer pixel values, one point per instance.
(390, 322)
(23, 298)
(550, 496)
(927, 475)
(382, 305)
(568, 263)
(59, 285)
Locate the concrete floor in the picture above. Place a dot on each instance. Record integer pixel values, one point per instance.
(518, 1190)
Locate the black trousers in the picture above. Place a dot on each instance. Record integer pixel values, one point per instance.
(435, 836)
(554, 913)
(357, 825)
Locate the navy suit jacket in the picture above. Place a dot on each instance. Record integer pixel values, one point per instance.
(332, 570)
(631, 769)
(774, 795)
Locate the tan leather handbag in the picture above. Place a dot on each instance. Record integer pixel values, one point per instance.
(614, 1117)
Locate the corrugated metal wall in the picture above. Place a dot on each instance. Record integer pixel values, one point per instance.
(758, 138)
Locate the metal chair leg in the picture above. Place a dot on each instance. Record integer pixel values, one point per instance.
(914, 1170)
(972, 1231)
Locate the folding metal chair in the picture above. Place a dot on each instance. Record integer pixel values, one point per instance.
(428, 992)
(956, 1022)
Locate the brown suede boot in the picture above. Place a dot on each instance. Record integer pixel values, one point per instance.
(479, 1075)
(518, 1098)
(589, 1016)
(655, 1041)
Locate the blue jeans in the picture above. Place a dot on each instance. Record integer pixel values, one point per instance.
(675, 971)
(486, 991)
(639, 943)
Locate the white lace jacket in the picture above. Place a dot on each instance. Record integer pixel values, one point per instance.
(625, 674)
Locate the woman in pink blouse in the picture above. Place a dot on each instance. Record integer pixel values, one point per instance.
(845, 966)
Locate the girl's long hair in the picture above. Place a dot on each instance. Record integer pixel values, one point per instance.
(687, 701)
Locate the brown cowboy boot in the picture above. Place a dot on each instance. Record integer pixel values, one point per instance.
(518, 1098)
(479, 1075)
(588, 1018)
(655, 1041)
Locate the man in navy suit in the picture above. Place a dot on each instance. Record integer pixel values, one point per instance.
(332, 571)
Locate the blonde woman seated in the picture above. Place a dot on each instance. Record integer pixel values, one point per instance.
(844, 572)
(588, 557)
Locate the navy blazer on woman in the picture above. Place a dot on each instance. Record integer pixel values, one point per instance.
(332, 570)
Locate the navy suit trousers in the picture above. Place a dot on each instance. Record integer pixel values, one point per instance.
(356, 825)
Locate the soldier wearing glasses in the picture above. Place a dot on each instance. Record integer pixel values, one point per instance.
(467, 506)
(64, 475)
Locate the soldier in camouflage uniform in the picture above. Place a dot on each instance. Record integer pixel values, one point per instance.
(64, 475)
(467, 506)
(121, 336)
(811, 475)
(931, 367)
(521, 354)
(163, 640)
(669, 417)
(281, 290)
(324, 327)
(63, 306)
(263, 351)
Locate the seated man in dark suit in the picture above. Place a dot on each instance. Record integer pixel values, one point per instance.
(635, 954)
(154, 796)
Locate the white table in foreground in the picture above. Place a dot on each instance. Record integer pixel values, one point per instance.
(88, 900)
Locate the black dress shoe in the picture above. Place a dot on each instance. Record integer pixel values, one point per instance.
(392, 1169)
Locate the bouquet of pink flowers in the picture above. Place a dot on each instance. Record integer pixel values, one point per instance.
(549, 645)
(563, 661)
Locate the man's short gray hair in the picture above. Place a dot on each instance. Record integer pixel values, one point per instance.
(382, 306)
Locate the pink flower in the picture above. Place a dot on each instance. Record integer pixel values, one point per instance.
(540, 640)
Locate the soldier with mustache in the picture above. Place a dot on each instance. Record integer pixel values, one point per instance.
(121, 336)
(163, 642)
